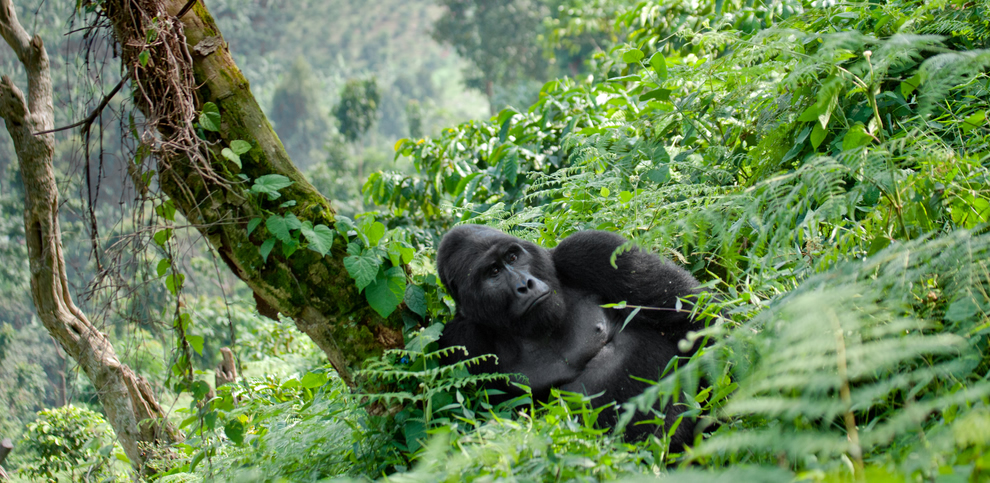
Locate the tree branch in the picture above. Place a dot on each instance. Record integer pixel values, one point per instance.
(32, 54)
(88, 121)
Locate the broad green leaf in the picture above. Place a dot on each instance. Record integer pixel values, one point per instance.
(969, 210)
(394, 255)
(375, 233)
(828, 98)
(162, 237)
(810, 114)
(166, 210)
(878, 243)
(588, 131)
(253, 225)
(163, 267)
(343, 225)
(625, 196)
(824, 116)
(658, 175)
(386, 291)
(269, 184)
(290, 247)
(173, 282)
(239, 146)
(290, 384)
(910, 85)
(658, 94)
(659, 65)
(424, 337)
(817, 135)
(498, 153)
(416, 300)
(185, 321)
(633, 55)
(313, 379)
(199, 389)
(362, 268)
(974, 121)
(292, 222)
(504, 122)
(319, 237)
(279, 227)
(407, 254)
(196, 342)
(856, 137)
(354, 248)
(660, 156)
(234, 429)
(143, 58)
(209, 119)
(232, 156)
(605, 192)
(266, 248)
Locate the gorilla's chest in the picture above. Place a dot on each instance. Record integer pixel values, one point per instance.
(559, 356)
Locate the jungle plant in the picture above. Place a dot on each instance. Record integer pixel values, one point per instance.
(71, 441)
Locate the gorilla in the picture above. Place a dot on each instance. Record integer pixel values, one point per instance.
(540, 311)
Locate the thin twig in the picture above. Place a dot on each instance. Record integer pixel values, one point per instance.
(93, 115)
(185, 8)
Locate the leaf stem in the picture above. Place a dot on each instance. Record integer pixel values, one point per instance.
(850, 419)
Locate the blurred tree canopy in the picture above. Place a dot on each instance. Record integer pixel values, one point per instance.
(357, 110)
(499, 38)
(297, 115)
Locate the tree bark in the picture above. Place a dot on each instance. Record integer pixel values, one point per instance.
(186, 65)
(130, 405)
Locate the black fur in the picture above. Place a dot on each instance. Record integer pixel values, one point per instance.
(540, 312)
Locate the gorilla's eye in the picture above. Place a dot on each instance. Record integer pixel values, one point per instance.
(494, 270)
(511, 258)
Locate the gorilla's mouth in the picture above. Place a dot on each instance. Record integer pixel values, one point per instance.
(536, 301)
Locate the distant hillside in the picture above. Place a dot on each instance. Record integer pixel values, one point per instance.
(343, 39)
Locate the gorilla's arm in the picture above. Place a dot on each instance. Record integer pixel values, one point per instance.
(460, 332)
(582, 260)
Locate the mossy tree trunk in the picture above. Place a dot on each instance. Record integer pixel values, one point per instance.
(127, 399)
(185, 65)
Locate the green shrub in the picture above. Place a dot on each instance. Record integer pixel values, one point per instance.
(71, 440)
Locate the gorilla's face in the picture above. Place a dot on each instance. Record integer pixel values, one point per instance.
(496, 278)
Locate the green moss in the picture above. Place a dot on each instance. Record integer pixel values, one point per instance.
(235, 78)
(358, 339)
(204, 14)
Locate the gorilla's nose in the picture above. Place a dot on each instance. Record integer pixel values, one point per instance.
(525, 286)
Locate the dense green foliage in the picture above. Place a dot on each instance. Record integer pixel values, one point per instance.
(72, 442)
(820, 168)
